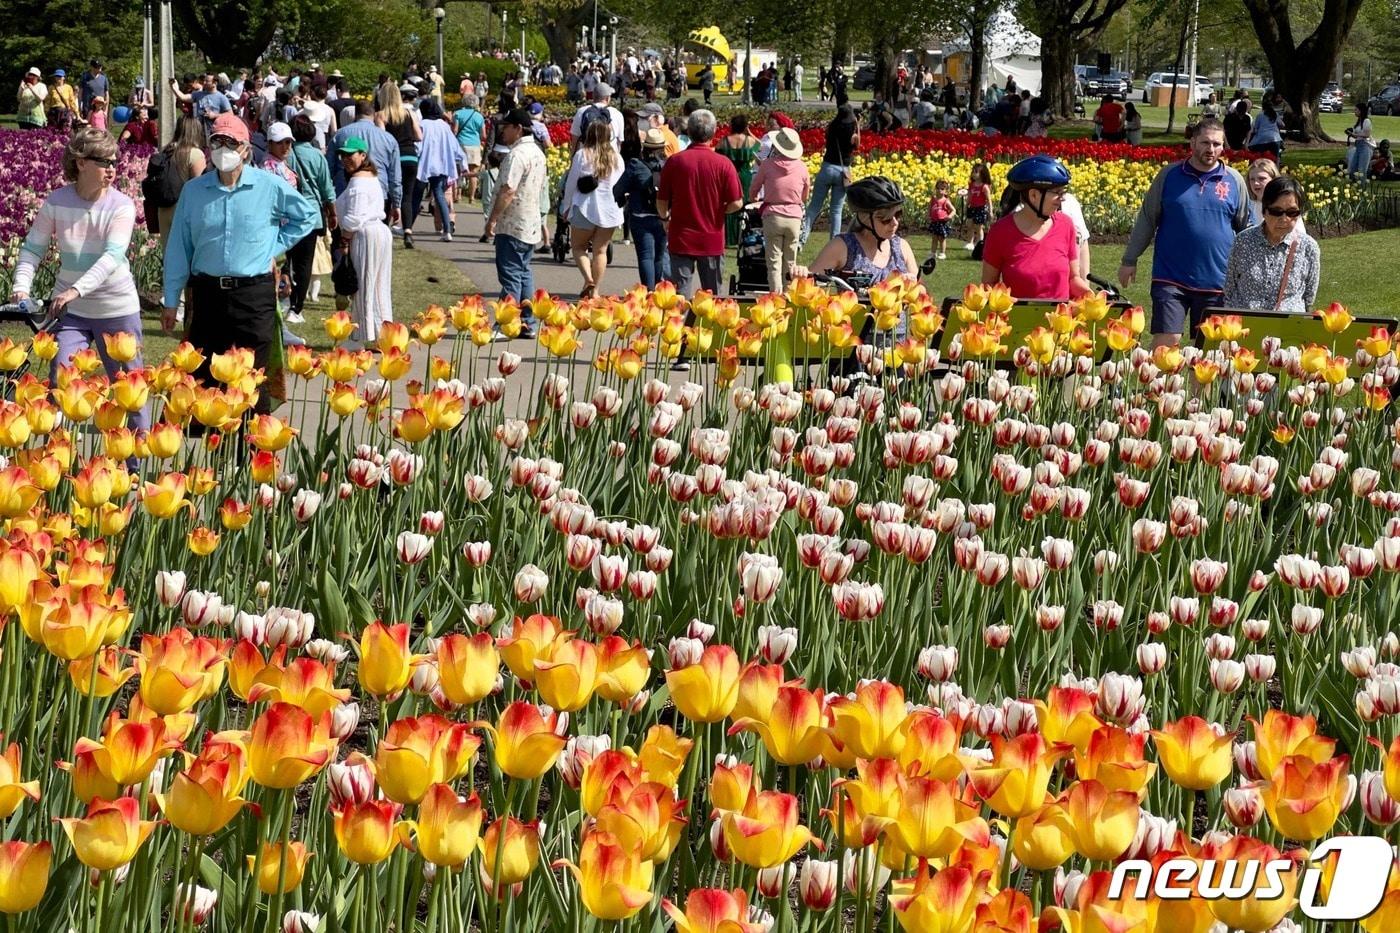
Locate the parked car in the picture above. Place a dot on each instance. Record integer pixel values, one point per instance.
(1329, 103)
(1387, 102)
(864, 78)
(1095, 83)
(1202, 91)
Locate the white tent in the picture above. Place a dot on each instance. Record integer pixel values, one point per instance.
(1013, 51)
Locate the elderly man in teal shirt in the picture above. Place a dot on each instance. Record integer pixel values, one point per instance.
(229, 226)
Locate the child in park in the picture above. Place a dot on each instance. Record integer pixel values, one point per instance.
(940, 217)
(979, 199)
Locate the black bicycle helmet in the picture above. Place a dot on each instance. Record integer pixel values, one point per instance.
(874, 193)
(1037, 172)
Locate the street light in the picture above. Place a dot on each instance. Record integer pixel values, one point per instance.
(603, 31)
(522, 42)
(505, 16)
(612, 21)
(439, 14)
(748, 58)
(584, 41)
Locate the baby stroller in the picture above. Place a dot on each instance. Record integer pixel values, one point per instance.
(752, 275)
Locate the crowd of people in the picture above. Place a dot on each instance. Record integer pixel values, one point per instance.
(310, 180)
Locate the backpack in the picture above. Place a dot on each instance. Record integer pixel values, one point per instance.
(592, 114)
(162, 184)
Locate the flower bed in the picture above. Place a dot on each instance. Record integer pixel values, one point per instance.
(31, 166)
(942, 646)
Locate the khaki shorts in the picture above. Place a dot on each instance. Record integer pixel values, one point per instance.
(473, 154)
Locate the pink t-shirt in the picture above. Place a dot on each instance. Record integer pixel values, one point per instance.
(940, 209)
(1033, 268)
(785, 184)
(97, 119)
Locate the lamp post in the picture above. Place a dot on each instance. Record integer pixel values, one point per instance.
(147, 46)
(522, 43)
(612, 21)
(604, 33)
(505, 16)
(165, 96)
(585, 41)
(439, 14)
(748, 59)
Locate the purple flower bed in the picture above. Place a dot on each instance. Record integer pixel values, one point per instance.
(31, 166)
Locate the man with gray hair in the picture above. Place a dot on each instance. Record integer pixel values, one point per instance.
(698, 188)
(600, 109)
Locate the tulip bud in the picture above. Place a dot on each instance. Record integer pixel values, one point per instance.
(700, 631)
(1151, 657)
(1360, 661)
(996, 637)
(1119, 698)
(194, 903)
(345, 718)
(938, 662)
(1066, 887)
(816, 883)
(170, 587)
(411, 547)
(300, 921)
(684, 652)
(776, 644)
(1220, 646)
(1226, 676)
(482, 615)
(200, 608)
(770, 881)
(1305, 620)
(718, 844)
(530, 583)
(1380, 808)
(863, 875)
(1243, 805)
(1247, 760)
(350, 782)
(1255, 629)
(578, 753)
(1260, 667)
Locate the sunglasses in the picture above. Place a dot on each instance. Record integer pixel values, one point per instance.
(105, 163)
(1293, 214)
(228, 141)
(886, 217)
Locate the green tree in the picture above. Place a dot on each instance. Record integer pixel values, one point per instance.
(66, 34)
(1302, 66)
(230, 30)
(1066, 29)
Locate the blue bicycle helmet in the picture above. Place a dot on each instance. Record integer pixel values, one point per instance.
(1038, 171)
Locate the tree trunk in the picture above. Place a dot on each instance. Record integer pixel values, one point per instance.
(1057, 83)
(562, 41)
(840, 43)
(1302, 69)
(1176, 68)
(229, 30)
(977, 64)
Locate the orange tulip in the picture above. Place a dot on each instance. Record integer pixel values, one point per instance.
(767, 833)
(708, 690)
(526, 741)
(1304, 798)
(1044, 839)
(645, 817)
(421, 751)
(179, 669)
(509, 854)
(663, 755)
(1249, 913)
(129, 751)
(204, 798)
(1066, 715)
(305, 682)
(448, 828)
(13, 790)
(1096, 912)
(731, 786)
(871, 801)
(289, 745)
(467, 667)
(623, 669)
(614, 882)
(1114, 757)
(713, 910)
(24, 875)
(270, 867)
(566, 673)
(529, 637)
(1015, 782)
(1103, 821)
(386, 663)
(943, 902)
(758, 690)
(1194, 755)
(870, 723)
(932, 819)
(1280, 735)
(793, 731)
(111, 833)
(368, 832)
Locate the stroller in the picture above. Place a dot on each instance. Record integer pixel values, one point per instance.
(752, 274)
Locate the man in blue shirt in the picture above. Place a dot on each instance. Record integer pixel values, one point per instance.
(1190, 217)
(93, 84)
(383, 152)
(229, 226)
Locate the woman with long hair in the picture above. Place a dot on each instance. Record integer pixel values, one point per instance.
(440, 161)
(1361, 142)
(842, 140)
(589, 205)
(400, 123)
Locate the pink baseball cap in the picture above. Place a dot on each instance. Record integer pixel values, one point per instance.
(226, 124)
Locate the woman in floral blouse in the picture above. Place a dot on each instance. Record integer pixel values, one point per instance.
(1274, 265)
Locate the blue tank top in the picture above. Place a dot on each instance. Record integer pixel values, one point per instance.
(860, 264)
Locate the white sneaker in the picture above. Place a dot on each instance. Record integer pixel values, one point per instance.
(396, 230)
(294, 318)
(969, 245)
(446, 238)
(942, 256)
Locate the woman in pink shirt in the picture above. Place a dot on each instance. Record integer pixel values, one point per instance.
(1033, 249)
(783, 180)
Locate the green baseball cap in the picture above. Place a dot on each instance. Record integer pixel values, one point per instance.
(353, 144)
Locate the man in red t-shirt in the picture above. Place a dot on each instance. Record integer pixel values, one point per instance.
(698, 188)
(1109, 119)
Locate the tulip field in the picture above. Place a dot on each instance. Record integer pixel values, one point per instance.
(930, 650)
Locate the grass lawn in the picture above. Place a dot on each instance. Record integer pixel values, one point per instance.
(420, 279)
(1349, 270)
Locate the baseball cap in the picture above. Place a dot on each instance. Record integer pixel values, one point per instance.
(226, 124)
(602, 91)
(408, 88)
(537, 108)
(271, 81)
(353, 144)
(518, 117)
(652, 109)
(279, 133)
(60, 73)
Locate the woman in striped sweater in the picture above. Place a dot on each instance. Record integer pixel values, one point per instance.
(90, 223)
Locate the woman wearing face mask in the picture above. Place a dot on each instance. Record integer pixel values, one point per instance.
(90, 222)
(1033, 248)
(1274, 265)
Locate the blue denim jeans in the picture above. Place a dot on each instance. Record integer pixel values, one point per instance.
(513, 258)
(649, 238)
(437, 184)
(830, 178)
(1359, 159)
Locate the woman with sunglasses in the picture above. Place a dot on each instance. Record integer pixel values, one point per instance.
(1033, 248)
(1274, 265)
(90, 222)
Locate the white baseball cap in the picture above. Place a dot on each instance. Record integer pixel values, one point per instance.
(279, 133)
(35, 72)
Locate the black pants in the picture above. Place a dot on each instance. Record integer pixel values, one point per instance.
(412, 198)
(300, 259)
(224, 318)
